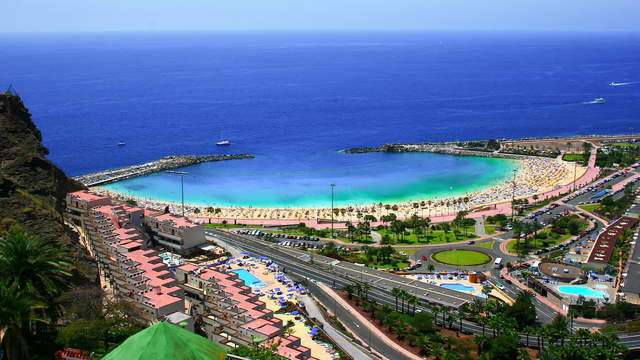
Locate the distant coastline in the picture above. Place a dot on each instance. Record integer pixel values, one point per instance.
(496, 148)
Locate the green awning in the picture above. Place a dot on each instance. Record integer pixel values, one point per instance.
(165, 341)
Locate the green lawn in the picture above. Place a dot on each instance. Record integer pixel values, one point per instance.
(590, 207)
(360, 258)
(488, 245)
(574, 157)
(490, 229)
(461, 257)
(434, 237)
(624, 144)
(535, 244)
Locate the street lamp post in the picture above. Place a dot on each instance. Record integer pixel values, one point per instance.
(575, 165)
(332, 186)
(513, 195)
(181, 174)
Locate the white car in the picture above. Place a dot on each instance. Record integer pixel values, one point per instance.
(500, 286)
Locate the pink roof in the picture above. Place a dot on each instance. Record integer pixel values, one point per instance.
(150, 212)
(85, 195)
(127, 234)
(129, 244)
(188, 267)
(178, 221)
(268, 330)
(161, 300)
(256, 324)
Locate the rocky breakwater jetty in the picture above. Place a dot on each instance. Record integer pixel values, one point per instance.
(166, 163)
(438, 148)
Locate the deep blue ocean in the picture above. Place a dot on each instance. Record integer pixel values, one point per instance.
(294, 100)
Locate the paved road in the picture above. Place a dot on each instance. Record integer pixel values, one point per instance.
(354, 350)
(295, 264)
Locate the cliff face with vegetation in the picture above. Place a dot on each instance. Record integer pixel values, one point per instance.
(32, 189)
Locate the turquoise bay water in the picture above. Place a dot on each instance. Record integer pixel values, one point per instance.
(249, 279)
(360, 179)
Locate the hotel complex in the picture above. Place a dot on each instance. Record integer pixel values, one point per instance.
(123, 240)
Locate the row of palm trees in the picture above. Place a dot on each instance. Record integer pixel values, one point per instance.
(411, 300)
(412, 326)
(33, 273)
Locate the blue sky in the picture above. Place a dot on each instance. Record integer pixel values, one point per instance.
(278, 15)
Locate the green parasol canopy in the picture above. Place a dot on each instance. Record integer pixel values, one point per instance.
(165, 341)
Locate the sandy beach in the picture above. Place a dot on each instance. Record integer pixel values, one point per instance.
(535, 176)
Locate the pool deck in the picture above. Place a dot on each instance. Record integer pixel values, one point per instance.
(268, 277)
(477, 288)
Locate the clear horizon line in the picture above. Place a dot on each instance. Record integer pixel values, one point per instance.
(318, 31)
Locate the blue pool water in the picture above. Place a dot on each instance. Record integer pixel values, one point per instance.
(457, 287)
(249, 279)
(581, 290)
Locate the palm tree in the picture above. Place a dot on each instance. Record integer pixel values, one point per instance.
(583, 335)
(349, 288)
(482, 320)
(482, 342)
(396, 293)
(403, 297)
(528, 330)
(571, 314)
(445, 312)
(358, 288)
(18, 310)
(38, 267)
(412, 300)
(435, 310)
(365, 290)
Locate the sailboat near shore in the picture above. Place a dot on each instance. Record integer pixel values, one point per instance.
(222, 141)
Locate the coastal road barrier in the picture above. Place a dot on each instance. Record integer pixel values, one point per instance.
(166, 163)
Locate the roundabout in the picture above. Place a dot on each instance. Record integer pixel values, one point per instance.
(461, 257)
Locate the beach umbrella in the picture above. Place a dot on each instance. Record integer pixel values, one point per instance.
(165, 341)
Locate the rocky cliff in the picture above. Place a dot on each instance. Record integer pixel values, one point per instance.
(32, 189)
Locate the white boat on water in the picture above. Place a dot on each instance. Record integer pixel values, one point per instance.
(122, 143)
(222, 141)
(596, 101)
(619, 83)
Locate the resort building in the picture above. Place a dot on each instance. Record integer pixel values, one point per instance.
(134, 273)
(603, 248)
(80, 202)
(174, 232)
(231, 314)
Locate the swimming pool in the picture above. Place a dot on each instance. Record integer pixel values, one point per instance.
(601, 286)
(248, 278)
(458, 287)
(582, 290)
